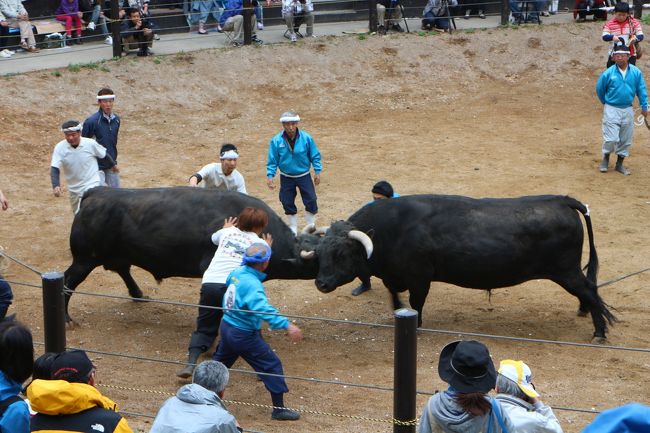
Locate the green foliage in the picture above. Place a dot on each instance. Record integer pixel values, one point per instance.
(646, 19)
(469, 31)
(56, 73)
(363, 37)
(157, 60)
(421, 33)
(74, 67)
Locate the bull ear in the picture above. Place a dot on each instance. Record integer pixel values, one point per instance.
(364, 239)
(307, 255)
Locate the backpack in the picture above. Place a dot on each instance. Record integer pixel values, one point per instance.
(4, 404)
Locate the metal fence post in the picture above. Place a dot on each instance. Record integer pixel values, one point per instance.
(53, 311)
(115, 28)
(406, 323)
(505, 12)
(372, 16)
(248, 26)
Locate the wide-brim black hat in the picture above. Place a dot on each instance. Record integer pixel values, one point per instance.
(467, 367)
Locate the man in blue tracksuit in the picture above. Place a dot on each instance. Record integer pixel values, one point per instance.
(616, 89)
(104, 127)
(294, 152)
(241, 330)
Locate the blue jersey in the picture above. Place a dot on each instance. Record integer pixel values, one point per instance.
(296, 161)
(246, 292)
(618, 91)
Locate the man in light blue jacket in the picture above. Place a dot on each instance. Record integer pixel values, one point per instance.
(616, 89)
(294, 152)
(245, 306)
(197, 407)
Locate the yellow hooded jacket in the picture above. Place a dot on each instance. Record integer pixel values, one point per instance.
(64, 407)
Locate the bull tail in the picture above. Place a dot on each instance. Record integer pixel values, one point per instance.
(592, 265)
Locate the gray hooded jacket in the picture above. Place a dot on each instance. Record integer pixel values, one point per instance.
(443, 415)
(194, 410)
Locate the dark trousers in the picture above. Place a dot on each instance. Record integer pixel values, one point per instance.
(4, 37)
(209, 319)
(138, 40)
(256, 352)
(288, 186)
(438, 22)
(6, 296)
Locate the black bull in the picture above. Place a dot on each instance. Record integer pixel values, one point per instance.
(167, 231)
(475, 243)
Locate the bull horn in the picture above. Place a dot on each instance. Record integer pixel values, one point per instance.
(307, 255)
(321, 230)
(309, 228)
(364, 239)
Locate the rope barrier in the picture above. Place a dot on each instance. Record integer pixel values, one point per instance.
(3, 253)
(21, 284)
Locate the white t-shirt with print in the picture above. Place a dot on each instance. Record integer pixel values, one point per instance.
(232, 244)
(79, 164)
(213, 177)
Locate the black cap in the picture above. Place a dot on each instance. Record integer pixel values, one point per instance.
(72, 366)
(384, 188)
(622, 7)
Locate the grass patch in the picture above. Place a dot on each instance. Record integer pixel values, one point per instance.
(56, 73)
(104, 69)
(469, 31)
(76, 67)
(362, 37)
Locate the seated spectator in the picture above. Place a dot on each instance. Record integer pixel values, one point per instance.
(436, 15)
(68, 13)
(630, 418)
(16, 16)
(16, 363)
(97, 18)
(583, 8)
(297, 12)
(533, 16)
(520, 401)
(473, 7)
(465, 406)
(223, 175)
(4, 37)
(203, 8)
(136, 32)
(623, 28)
(70, 398)
(394, 16)
(6, 295)
(232, 20)
(197, 407)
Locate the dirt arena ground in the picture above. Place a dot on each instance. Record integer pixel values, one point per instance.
(494, 113)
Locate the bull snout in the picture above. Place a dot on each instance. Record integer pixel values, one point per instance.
(324, 286)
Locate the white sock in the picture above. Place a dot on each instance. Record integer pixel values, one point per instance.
(293, 224)
(311, 218)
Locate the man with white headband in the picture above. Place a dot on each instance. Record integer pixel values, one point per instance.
(245, 307)
(104, 127)
(616, 89)
(221, 175)
(294, 152)
(77, 156)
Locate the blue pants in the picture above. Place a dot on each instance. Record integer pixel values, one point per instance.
(256, 352)
(6, 296)
(203, 8)
(438, 22)
(288, 193)
(208, 320)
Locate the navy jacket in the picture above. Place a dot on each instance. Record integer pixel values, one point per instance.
(105, 133)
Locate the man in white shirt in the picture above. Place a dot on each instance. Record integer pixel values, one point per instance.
(221, 175)
(77, 156)
(232, 239)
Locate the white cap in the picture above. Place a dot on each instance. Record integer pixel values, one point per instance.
(520, 374)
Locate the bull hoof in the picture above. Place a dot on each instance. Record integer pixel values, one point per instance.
(141, 298)
(599, 340)
(582, 313)
(71, 324)
(360, 289)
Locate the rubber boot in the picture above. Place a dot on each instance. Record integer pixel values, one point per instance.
(604, 163)
(293, 224)
(186, 372)
(310, 218)
(620, 167)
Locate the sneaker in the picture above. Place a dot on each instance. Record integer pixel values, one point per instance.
(5, 54)
(545, 14)
(294, 38)
(156, 37)
(256, 40)
(381, 30)
(91, 26)
(108, 40)
(397, 28)
(144, 53)
(79, 40)
(466, 15)
(33, 49)
(260, 26)
(236, 44)
(285, 414)
(23, 45)
(481, 15)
